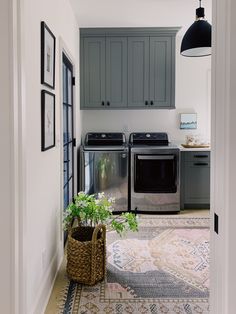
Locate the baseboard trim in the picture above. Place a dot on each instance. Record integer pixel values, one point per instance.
(48, 283)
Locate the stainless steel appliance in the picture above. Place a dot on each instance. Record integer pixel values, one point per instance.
(104, 164)
(154, 173)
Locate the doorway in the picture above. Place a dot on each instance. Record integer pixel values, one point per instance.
(68, 132)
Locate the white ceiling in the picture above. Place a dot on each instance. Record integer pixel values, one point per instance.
(134, 13)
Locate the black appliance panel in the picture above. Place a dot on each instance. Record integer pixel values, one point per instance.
(105, 139)
(157, 139)
(155, 174)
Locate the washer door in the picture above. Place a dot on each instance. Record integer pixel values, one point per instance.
(107, 171)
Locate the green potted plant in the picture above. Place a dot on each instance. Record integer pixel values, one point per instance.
(86, 249)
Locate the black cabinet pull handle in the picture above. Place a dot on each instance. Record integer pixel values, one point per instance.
(108, 103)
(200, 164)
(103, 103)
(200, 156)
(152, 102)
(146, 103)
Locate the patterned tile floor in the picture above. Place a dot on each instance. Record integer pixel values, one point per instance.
(55, 295)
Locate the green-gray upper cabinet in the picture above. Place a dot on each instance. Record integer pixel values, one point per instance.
(127, 68)
(151, 72)
(116, 71)
(104, 70)
(138, 71)
(94, 72)
(161, 73)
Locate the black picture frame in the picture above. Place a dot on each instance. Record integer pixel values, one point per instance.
(48, 54)
(47, 120)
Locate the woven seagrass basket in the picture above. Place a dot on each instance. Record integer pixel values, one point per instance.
(86, 254)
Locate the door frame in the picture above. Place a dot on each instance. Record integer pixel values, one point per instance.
(223, 174)
(18, 240)
(64, 50)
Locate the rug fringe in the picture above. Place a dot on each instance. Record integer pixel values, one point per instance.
(63, 297)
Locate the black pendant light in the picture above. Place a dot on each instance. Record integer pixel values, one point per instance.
(197, 40)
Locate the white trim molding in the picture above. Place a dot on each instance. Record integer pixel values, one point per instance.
(19, 156)
(12, 184)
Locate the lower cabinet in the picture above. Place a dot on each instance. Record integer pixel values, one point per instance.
(195, 180)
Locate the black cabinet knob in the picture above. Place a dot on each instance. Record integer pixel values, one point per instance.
(146, 103)
(103, 103)
(108, 103)
(152, 103)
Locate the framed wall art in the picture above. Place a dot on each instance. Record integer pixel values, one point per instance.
(47, 120)
(48, 49)
(188, 121)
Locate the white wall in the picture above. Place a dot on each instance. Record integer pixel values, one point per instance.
(43, 173)
(192, 74)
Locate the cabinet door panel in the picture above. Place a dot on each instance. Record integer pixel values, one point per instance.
(197, 182)
(160, 71)
(198, 156)
(116, 71)
(94, 71)
(138, 71)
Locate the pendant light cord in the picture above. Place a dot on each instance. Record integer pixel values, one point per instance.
(200, 11)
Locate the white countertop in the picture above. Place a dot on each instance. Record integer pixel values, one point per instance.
(194, 149)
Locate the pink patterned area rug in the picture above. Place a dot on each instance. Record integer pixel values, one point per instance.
(164, 268)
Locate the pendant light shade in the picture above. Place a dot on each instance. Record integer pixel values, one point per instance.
(197, 40)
